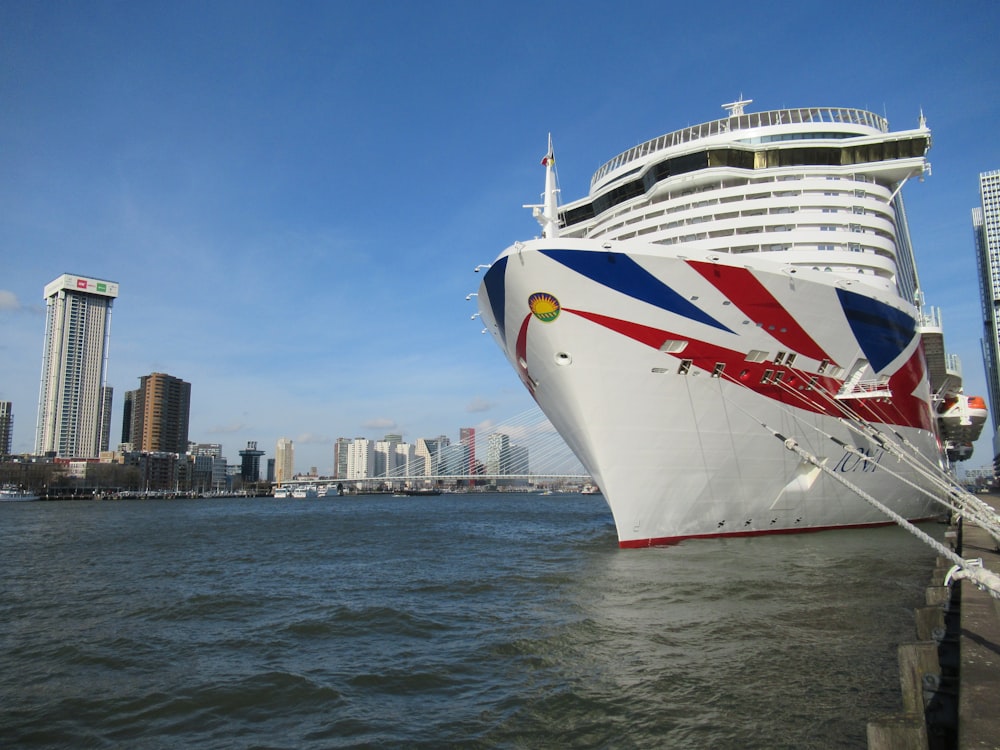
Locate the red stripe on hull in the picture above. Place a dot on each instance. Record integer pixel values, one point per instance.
(753, 298)
(667, 541)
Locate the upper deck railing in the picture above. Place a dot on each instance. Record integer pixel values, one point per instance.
(806, 115)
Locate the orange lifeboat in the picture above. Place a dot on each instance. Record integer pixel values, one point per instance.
(960, 421)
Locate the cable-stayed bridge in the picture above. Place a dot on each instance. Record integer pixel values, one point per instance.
(524, 449)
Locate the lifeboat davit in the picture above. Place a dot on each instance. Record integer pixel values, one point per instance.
(958, 451)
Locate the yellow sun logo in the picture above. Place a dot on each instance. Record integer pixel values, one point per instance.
(544, 306)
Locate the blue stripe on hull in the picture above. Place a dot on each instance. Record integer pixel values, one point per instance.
(882, 331)
(619, 272)
(496, 288)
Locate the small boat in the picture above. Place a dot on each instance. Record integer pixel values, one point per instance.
(961, 419)
(590, 489)
(421, 492)
(280, 493)
(308, 491)
(11, 494)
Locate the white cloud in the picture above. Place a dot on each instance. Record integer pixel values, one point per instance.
(311, 438)
(479, 404)
(8, 300)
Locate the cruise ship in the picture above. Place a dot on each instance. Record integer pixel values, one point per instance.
(728, 330)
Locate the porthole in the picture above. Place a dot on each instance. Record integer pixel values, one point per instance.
(563, 358)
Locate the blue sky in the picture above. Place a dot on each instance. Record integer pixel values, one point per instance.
(292, 196)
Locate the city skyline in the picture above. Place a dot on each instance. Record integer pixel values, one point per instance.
(294, 198)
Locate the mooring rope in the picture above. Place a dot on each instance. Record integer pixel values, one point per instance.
(973, 570)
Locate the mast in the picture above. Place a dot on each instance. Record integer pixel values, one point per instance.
(547, 214)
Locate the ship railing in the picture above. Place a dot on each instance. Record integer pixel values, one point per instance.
(930, 317)
(805, 115)
(866, 389)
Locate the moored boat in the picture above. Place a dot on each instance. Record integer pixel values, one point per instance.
(722, 290)
(12, 494)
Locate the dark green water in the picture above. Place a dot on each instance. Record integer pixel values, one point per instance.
(459, 620)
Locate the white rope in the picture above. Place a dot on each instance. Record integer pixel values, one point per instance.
(964, 503)
(983, 578)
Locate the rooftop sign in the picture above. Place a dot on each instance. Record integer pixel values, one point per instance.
(72, 283)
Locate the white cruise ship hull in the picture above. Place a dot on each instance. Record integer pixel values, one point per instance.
(668, 373)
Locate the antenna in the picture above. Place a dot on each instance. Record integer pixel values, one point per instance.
(736, 108)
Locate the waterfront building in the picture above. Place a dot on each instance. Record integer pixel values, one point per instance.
(250, 462)
(385, 457)
(160, 413)
(429, 449)
(360, 459)
(127, 407)
(284, 460)
(467, 437)
(205, 449)
(407, 464)
(208, 473)
(503, 457)
(497, 445)
(6, 427)
(517, 460)
(73, 404)
(107, 396)
(340, 450)
(159, 469)
(454, 460)
(986, 229)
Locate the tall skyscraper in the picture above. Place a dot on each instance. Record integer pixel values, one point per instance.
(986, 228)
(72, 401)
(250, 462)
(6, 427)
(284, 460)
(160, 411)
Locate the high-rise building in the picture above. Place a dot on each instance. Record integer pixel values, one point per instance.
(250, 462)
(161, 410)
(284, 460)
(986, 228)
(406, 461)
(360, 459)
(429, 449)
(340, 451)
(6, 427)
(107, 395)
(72, 402)
(497, 445)
(467, 437)
(127, 406)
